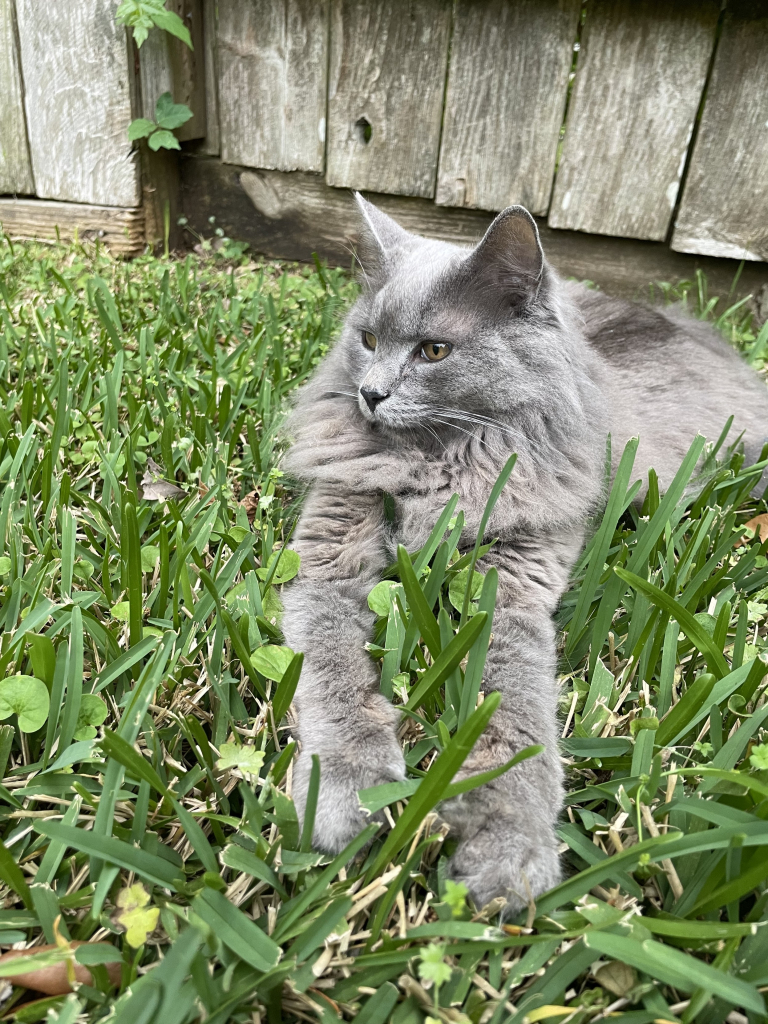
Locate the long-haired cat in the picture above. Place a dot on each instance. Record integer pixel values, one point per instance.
(450, 360)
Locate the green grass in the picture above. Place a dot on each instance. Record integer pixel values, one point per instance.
(145, 803)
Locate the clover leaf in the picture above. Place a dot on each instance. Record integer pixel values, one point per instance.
(287, 567)
(26, 697)
(93, 712)
(134, 915)
(759, 756)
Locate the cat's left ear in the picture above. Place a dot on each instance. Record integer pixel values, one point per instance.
(510, 254)
(379, 239)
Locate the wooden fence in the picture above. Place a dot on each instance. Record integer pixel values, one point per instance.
(609, 119)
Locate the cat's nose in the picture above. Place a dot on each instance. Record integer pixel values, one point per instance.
(372, 398)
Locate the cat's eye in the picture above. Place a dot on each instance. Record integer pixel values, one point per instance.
(369, 340)
(434, 351)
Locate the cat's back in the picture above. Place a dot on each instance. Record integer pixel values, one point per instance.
(667, 377)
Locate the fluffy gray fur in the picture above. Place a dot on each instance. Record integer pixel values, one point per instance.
(539, 367)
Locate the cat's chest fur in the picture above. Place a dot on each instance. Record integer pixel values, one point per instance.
(535, 501)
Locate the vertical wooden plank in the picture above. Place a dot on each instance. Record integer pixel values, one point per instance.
(74, 61)
(211, 145)
(639, 79)
(385, 96)
(273, 70)
(15, 165)
(168, 65)
(724, 209)
(505, 101)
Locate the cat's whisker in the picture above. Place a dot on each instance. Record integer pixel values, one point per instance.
(343, 394)
(471, 434)
(436, 436)
(478, 418)
(511, 432)
(450, 416)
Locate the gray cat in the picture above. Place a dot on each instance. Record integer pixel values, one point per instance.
(450, 360)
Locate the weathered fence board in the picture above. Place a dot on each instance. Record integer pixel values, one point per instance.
(121, 230)
(639, 79)
(273, 60)
(505, 100)
(385, 95)
(74, 60)
(724, 209)
(168, 65)
(212, 143)
(15, 165)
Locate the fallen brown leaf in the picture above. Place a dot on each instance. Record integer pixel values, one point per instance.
(53, 980)
(758, 526)
(154, 488)
(251, 504)
(161, 490)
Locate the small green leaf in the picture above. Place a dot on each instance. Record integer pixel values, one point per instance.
(170, 22)
(617, 977)
(140, 34)
(169, 114)
(379, 599)
(121, 611)
(433, 968)
(455, 896)
(26, 697)
(707, 622)
(5, 565)
(759, 756)
(140, 128)
(135, 916)
(93, 712)
(162, 139)
(83, 569)
(458, 588)
(150, 556)
(272, 661)
(287, 567)
(241, 756)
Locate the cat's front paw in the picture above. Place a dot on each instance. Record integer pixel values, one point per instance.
(506, 859)
(339, 816)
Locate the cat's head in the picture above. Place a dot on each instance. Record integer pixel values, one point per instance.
(442, 333)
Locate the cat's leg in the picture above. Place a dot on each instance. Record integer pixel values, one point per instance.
(343, 718)
(506, 829)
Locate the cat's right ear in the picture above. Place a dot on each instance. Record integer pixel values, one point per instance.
(510, 256)
(378, 241)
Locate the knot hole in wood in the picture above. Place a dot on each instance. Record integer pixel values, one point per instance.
(363, 130)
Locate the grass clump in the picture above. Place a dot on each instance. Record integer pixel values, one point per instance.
(145, 805)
